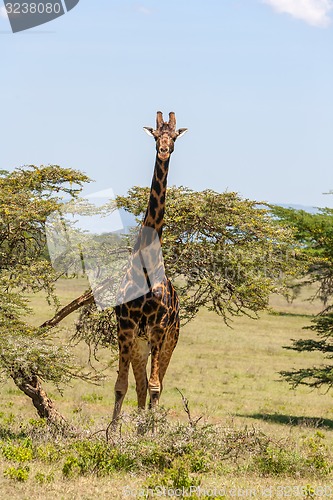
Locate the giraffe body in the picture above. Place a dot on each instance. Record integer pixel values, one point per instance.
(149, 324)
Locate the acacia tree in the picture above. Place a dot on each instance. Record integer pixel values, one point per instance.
(315, 376)
(220, 251)
(226, 253)
(29, 354)
(315, 234)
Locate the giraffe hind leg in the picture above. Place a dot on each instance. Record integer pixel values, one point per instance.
(166, 352)
(139, 359)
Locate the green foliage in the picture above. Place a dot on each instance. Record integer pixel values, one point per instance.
(20, 474)
(27, 197)
(275, 461)
(92, 398)
(318, 454)
(221, 251)
(95, 457)
(312, 458)
(48, 453)
(315, 376)
(178, 477)
(42, 478)
(309, 491)
(153, 457)
(315, 233)
(38, 424)
(177, 457)
(97, 329)
(18, 453)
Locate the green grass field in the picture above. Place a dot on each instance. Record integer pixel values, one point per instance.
(256, 438)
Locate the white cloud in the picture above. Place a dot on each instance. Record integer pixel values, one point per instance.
(3, 12)
(144, 10)
(314, 12)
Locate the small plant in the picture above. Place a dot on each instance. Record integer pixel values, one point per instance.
(199, 462)
(17, 473)
(309, 491)
(48, 453)
(78, 409)
(92, 398)
(318, 454)
(96, 457)
(41, 478)
(71, 467)
(178, 477)
(40, 423)
(10, 419)
(274, 460)
(18, 453)
(153, 456)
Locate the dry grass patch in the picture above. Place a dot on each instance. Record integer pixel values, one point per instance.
(254, 431)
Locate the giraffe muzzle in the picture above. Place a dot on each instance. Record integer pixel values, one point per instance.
(163, 153)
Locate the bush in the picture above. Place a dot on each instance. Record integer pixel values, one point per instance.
(18, 453)
(18, 474)
(41, 478)
(318, 458)
(95, 457)
(178, 477)
(274, 461)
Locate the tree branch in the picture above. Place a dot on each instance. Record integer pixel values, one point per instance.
(84, 299)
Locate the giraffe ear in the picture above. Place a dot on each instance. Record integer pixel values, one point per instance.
(149, 131)
(181, 131)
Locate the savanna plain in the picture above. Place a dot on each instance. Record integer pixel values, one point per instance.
(242, 432)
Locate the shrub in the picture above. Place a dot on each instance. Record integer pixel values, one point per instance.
(318, 454)
(18, 453)
(95, 457)
(17, 473)
(42, 478)
(275, 461)
(48, 453)
(178, 477)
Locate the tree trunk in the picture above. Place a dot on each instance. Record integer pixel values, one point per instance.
(32, 387)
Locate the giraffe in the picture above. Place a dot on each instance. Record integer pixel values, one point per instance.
(148, 324)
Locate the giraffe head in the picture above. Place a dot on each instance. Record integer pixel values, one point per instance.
(165, 135)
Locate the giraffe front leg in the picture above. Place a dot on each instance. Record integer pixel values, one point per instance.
(139, 359)
(154, 384)
(168, 347)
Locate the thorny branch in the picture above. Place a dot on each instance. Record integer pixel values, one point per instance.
(193, 423)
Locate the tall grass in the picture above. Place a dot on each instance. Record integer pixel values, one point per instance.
(246, 429)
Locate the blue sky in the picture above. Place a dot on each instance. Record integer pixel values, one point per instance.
(251, 79)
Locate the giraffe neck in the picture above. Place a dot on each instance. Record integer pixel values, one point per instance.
(155, 211)
(146, 266)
